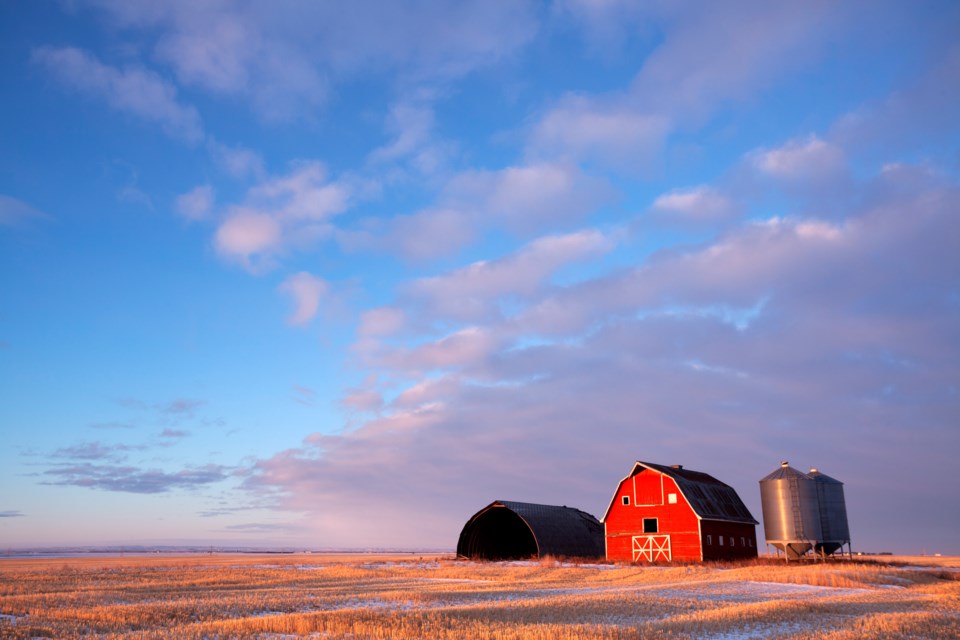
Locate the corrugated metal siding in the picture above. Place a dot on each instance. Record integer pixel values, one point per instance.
(557, 530)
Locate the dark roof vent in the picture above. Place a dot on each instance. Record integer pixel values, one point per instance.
(784, 464)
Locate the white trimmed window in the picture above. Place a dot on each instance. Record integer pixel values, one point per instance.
(626, 500)
(721, 540)
(709, 539)
(672, 498)
(650, 525)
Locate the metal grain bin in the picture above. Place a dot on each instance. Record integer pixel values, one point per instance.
(834, 531)
(791, 512)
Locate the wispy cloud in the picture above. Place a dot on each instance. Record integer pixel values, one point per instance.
(15, 212)
(303, 395)
(306, 290)
(293, 210)
(196, 204)
(283, 59)
(181, 406)
(11, 514)
(95, 451)
(134, 90)
(130, 479)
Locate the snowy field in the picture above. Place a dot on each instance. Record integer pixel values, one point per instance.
(280, 596)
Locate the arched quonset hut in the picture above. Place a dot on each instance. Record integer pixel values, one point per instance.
(506, 530)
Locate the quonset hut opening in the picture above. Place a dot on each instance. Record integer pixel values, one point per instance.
(506, 530)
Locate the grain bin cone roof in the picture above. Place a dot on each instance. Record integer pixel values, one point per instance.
(822, 477)
(785, 472)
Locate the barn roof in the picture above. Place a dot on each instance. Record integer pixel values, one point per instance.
(709, 498)
(557, 530)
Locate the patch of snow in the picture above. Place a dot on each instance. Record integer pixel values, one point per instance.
(761, 631)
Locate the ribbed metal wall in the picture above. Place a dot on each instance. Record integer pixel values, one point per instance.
(791, 511)
(835, 532)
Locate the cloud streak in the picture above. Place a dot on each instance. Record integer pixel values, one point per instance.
(134, 90)
(130, 479)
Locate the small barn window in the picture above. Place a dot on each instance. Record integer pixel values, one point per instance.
(749, 542)
(650, 525)
(626, 500)
(709, 539)
(743, 541)
(672, 498)
(721, 540)
(731, 541)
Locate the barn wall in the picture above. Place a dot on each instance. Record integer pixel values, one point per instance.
(678, 520)
(738, 532)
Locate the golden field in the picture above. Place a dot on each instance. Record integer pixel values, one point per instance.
(404, 596)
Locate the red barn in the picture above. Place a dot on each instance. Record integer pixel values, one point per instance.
(662, 513)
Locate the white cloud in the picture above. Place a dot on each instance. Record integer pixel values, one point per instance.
(304, 194)
(473, 291)
(196, 204)
(701, 203)
(279, 213)
(14, 212)
(306, 291)
(284, 56)
(707, 57)
(133, 90)
(524, 199)
(238, 162)
(249, 237)
(425, 235)
(807, 160)
(529, 197)
(580, 128)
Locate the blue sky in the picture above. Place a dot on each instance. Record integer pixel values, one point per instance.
(332, 275)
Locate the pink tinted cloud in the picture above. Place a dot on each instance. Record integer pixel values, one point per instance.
(525, 199)
(698, 204)
(196, 204)
(472, 292)
(418, 237)
(530, 197)
(582, 128)
(250, 238)
(674, 360)
(133, 90)
(306, 290)
(281, 213)
(802, 160)
(283, 57)
(715, 55)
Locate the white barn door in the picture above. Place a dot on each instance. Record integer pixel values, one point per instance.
(652, 548)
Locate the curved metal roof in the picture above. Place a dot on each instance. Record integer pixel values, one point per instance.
(557, 530)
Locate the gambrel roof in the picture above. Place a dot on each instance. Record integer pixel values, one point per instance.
(709, 498)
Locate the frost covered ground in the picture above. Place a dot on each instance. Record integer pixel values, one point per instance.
(439, 597)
